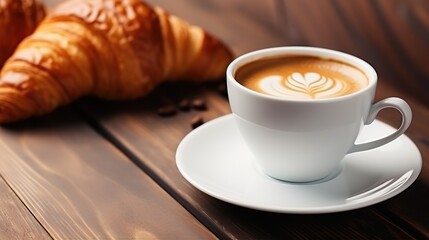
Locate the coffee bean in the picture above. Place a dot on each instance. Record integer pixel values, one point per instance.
(221, 88)
(184, 105)
(197, 121)
(167, 110)
(199, 104)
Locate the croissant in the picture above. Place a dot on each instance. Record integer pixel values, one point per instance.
(109, 49)
(18, 19)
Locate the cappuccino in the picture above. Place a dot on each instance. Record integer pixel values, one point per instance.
(301, 77)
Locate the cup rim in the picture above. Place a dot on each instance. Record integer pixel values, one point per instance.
(301, 50)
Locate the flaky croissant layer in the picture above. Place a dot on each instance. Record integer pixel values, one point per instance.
(18, 19)
(111, 49)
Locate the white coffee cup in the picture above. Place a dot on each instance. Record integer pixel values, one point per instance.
(306, 140)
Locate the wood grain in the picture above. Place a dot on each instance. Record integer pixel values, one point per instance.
(16, 222)
(79, 186)
(391, 35)
(153, 148)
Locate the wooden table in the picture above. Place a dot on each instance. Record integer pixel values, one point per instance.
(101, 170)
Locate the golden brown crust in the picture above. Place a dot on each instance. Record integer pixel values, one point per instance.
(190, 52)
(18, 19)
(111, 49)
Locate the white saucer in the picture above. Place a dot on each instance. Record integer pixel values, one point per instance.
(214, 159)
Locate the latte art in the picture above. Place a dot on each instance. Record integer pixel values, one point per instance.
(310, 85)
(302, 77)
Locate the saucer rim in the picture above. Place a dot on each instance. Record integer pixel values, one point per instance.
(285, 209)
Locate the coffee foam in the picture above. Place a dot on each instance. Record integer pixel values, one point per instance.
(302, 77)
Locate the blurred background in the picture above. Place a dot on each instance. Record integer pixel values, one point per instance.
(392, 35)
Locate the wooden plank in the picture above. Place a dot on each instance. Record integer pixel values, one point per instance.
(16, 222)
(79, 186)
(136, 124)
(391, 35)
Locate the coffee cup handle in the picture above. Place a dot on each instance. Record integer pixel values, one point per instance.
(392, 102)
